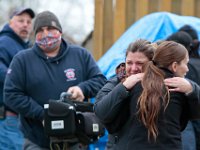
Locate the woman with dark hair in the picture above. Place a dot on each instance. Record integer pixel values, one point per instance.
(156, 116)
(111, 104)
(186, 36)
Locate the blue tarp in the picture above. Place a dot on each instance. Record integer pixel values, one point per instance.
(153, 27)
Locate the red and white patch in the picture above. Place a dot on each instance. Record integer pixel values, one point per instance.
(70, 74)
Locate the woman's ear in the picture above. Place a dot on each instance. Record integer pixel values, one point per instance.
(174, 67)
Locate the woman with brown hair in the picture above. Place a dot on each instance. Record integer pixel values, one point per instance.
(157, 116)
(111, 104)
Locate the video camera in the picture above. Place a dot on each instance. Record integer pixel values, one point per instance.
(72, 121)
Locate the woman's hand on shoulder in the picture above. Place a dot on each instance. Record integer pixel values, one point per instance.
(132, 80)
(179, 84)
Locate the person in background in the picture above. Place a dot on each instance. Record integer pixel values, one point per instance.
(191, 135)
(195, 53)
(120, 71)
(43, 72)
(110, 105)
(14, 37)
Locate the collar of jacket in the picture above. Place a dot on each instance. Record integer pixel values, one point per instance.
(168, 73)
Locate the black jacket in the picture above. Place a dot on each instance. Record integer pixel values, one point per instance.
(194, 70)
(194, 75)
(133, 135)
(169, 124)
(111, 105)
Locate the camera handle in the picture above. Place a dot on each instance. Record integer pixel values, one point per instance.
(64, 96)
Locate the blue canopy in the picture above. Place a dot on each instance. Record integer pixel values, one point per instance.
(152, 27)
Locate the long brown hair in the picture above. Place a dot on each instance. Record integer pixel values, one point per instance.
(155, 96)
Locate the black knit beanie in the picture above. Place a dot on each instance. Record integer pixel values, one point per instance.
(46, 18)
(181, 37)
(190, 30)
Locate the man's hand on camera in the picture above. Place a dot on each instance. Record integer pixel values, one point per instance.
(77, 93)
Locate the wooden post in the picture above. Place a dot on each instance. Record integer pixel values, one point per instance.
(103, 29)
(130, 12)
(108, 25)
(119, 18)
(98, 29)
(141, 8)
(187, 7)
(197, 8)
(165, 5)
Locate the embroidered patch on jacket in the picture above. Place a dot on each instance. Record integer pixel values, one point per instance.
(70, 74)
